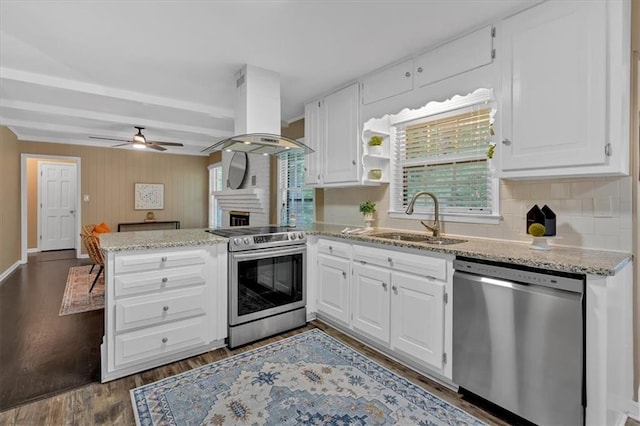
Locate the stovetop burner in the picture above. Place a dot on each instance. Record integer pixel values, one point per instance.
(256, 237)
(250, 230)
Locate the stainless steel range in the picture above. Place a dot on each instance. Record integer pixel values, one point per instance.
(267, 281)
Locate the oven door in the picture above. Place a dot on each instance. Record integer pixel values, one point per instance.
(266, 282)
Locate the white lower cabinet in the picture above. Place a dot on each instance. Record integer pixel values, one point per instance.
(333, 287)
(162, 305)
(370, 303)
(417, 309)
(395, 299)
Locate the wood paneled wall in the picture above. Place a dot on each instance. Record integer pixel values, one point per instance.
(10, 248)
(108, 176)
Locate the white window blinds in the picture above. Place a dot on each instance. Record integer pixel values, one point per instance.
(445, 154)
(296, 201)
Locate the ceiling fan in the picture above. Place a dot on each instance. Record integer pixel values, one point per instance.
(140, 142)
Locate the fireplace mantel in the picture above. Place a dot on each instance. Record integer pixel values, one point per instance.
(253, 200)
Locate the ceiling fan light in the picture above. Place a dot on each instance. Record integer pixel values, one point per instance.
(139, 138)
(138, 145)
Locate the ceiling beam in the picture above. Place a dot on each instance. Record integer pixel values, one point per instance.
(95, 89)
(111, 118)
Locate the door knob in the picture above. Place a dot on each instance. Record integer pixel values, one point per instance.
(407, 74)
(506, 142)
(394, 288)
(72, 211)
(344, 274)
(384, 286)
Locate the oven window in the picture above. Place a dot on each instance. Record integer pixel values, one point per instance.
(269, 283)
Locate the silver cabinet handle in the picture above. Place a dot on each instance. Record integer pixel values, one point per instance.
(384, 286)
(390, 260)
(353, 162)
(165, 308)
(164, 258)
(506, 142)
(72, 211)
(407, 74)
(394, 288)
(344, 274)
(419, 69)
(165, 340)
(165, 279)
(330, 248)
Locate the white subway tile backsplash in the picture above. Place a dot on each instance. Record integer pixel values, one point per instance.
(606, 188)
(606, 226)
(560, 191)
(581, 189)
(587, 207)
(581, 225)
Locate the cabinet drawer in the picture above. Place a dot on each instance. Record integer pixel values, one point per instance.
(151, 343)
(153, 261)
(334, 248)
(158, 280)
(406, 262)
(156, 309)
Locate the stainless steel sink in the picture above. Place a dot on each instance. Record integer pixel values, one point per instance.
(417, 238)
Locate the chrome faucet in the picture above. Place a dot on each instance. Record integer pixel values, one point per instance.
(435, 228)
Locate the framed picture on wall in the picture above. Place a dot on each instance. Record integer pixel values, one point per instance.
(149, 196)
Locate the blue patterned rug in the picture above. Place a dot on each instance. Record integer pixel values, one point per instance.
(307, 379)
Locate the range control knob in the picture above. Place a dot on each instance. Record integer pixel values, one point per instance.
(301, 235)
(237, 241)
(293, 236)
(247, 240)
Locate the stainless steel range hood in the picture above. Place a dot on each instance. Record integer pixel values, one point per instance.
(260, 143)
(257, 121)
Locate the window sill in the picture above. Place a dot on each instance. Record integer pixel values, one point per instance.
(450, 217)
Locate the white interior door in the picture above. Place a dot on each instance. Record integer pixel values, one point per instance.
(57, 189)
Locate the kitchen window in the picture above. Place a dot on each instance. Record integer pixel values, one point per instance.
(215, 184)
(444, 148)
(296, 202)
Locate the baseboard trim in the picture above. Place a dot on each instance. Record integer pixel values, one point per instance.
(33, 250)
(9, 270)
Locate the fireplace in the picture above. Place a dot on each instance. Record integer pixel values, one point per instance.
(237, 218)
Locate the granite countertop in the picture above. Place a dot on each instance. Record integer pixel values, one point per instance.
(141, 240)
(564, 259)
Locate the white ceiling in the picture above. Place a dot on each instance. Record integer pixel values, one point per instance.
(74, 69)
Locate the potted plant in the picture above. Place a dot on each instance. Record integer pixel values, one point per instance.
(368, 208)
(375, 145)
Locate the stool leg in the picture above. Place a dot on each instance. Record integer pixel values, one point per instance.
(91, 271)
(96, 278)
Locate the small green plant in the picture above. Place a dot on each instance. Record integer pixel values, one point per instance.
(368, 207)
(376, 140)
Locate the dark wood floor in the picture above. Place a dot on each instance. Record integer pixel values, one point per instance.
(41, 353)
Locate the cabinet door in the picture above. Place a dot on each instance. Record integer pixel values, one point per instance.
(341, 143)
(417, 312)
(388, 82)
(312, 137)
(333, 287)
(554, 86)
(370, 301)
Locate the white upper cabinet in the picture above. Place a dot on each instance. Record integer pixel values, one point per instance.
(463, 54)
(388, 82)
(563, 87)
(331, 129)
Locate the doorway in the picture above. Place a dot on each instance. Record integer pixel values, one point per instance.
(57, 200)
(62, 229)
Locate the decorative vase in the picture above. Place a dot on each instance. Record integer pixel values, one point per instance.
(375, 149)
(368, 220)
(375, 174)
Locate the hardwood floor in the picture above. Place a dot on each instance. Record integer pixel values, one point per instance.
(110, 403)
(41, 353)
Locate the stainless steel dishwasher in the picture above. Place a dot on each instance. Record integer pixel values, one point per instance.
(518, 339)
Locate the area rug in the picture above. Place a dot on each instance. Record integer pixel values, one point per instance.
(76, 293)
(307, 379)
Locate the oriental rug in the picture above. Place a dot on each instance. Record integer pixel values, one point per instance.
(76, 293)
(307, 379)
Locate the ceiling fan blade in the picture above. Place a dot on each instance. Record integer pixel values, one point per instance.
(121, 144)
(109, 139)
(166, 143)
(156, 147)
